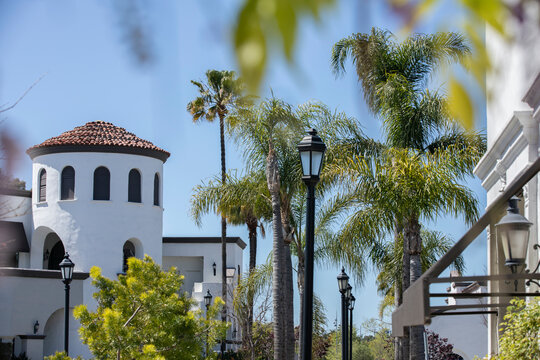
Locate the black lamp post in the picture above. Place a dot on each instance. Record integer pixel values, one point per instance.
(207, 302)
(343, 284)
(311, 150)
(66, 267)
(352, 299)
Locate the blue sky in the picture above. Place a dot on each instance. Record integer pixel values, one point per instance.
(90, 75)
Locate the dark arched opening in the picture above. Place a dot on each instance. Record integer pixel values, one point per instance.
(56, 256)
(129, 251)
(68, 184)
(134, 186)
(156, 189)
(42, 185)
(102, 183)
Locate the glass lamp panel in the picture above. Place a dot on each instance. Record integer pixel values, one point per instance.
(348, 293)
(305, 157)
(67, 272)
(518, 244)
(316, 161)
(342, 283)
(514, 243)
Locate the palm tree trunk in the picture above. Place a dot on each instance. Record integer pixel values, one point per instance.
(300, 282)
(412, 232)
(288, 278)
(272, 178)
(288, 306)
(252, 224)
(223, 229)
(405, 281)
(398, 298)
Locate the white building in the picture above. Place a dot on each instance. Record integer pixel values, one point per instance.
(513, 119)
(98, 195)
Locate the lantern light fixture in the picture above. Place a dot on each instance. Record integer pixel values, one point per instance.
(214, 267)
(36, 327)
(513, 232)
(207, 299)
(66, 267)
(351, 302)
(343, 281)
(311, 150)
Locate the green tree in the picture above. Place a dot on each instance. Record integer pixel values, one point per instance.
(221, 93)
(142, 316)
(418, 128)
(520, 331)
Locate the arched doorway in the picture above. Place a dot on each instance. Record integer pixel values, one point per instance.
(53, 252)
(129, 251)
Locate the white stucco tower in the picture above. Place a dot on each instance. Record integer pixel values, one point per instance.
(98, 192)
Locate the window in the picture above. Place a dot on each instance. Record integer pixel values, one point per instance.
(42, 185)
(129, 251)
(134, 186)
(156, 189)
(67, 191)
(102, 183)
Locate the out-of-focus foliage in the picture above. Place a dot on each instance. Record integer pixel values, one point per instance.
(263, 23)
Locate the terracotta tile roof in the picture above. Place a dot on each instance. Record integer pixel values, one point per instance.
(98, 136)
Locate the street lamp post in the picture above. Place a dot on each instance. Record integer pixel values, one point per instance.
(311, 150)
(207, 302)
(351, 308)
(66, 267)
(343, 284)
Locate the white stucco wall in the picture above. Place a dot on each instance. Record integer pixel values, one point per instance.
(17, 209)
(515, 65)
(25, 300)
(92, 231)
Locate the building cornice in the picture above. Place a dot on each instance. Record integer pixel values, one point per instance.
(203, 240)
(15, 192)
(44, 150)
(515, 137)
(43, 274)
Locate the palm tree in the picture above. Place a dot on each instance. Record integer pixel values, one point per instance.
(394, 77)
(254, 139)
(242, 200)
(262, 131)
(221, 93)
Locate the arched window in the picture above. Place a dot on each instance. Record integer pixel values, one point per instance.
(102, 183)
(156, 189)
(129, 251)
(67, 186)
(134, 186)
(42, 185)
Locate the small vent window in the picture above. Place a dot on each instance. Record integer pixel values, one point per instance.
(42, 185)
(68, 184)
(134, 186)
(102, 183)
